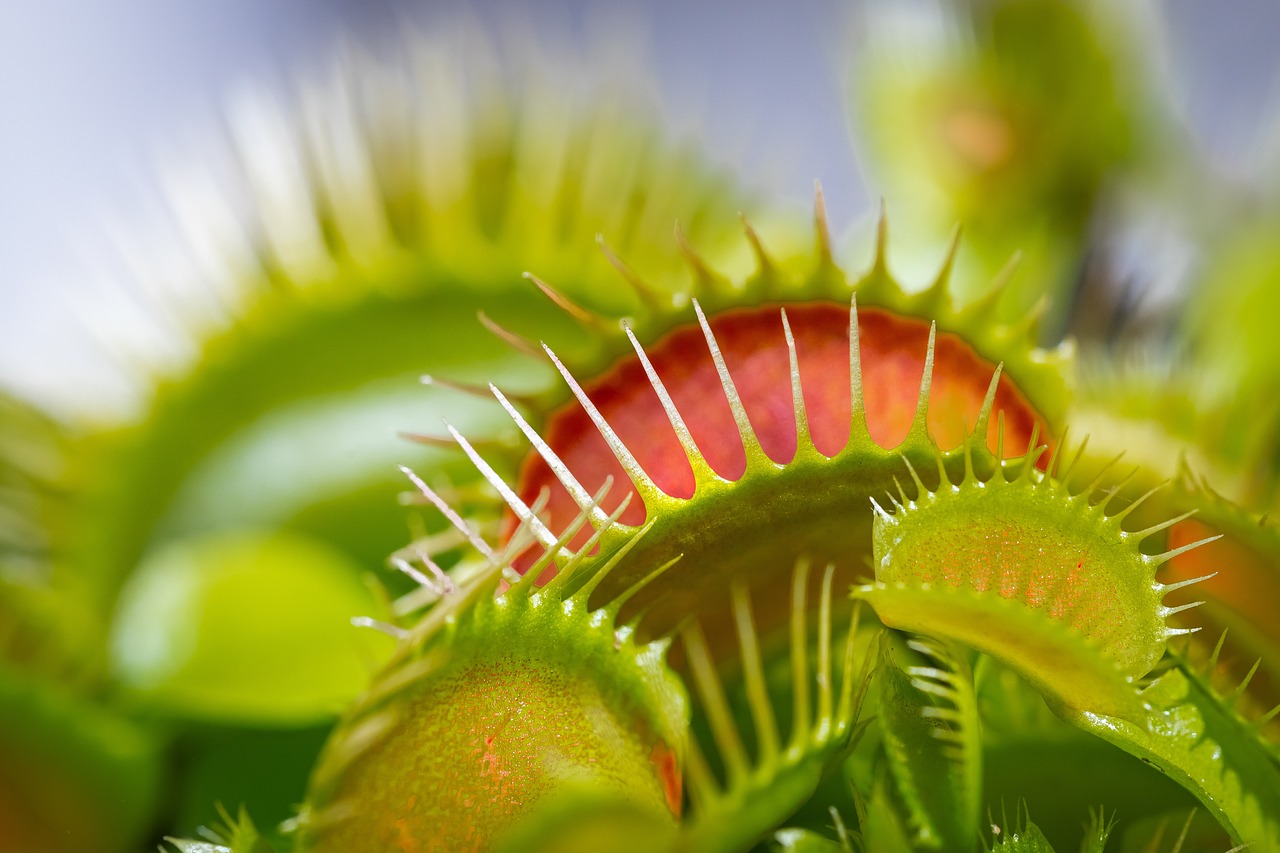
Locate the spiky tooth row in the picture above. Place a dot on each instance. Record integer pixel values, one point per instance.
(1241, 598)
(763, 786)
(932, 740)
(1231, 693)
(986, 549)
(1193, 737)
(688, 525)
(499, 700)
(699, 435)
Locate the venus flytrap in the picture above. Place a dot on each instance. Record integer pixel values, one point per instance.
(622, 621)
(999, 556)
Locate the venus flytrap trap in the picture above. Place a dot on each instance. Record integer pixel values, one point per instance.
(765, 786)
(496, 703)
(1021, 568)
(738, 473)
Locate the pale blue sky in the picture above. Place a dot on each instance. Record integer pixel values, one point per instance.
(90, 91)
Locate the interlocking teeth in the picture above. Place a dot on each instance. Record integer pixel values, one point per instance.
(824, 726)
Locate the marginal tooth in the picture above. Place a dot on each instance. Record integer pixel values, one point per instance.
(1212, 663)
(579, 494)
(438, 582)
(1102, 475)
(1262, 721)
(1167, 588)
(445, 540)
(393, 631)
(703, 789)
(1170, 611)
(821, 227)
(921, 490)
(1055, 456)
(1234, 696)
(707, 684)
(587, 318)
(985, 305)
(1164, 525)
(706, 277)
(616, 603)
(943, 478)
(526, 515)
(802, 715)
(988, 405)
(1177, 552)
(646, 293)
(639, 477)
(966, 448)
(842, 832)
(520, 539)
(885, 516)
(343, 168)
(463, 387)
(570, 568)
(560, 548)
(858, 430)
(450, 515)
(1117, 488)
(701, 469)
(803, 439)
(880, 265)
(281, 188)
(745, 431)
(1071, 466)
(761, 706)
(934, 299)
(845, 712)
(584, 592)
(824, 655)
(427, 440)
(763, 262)
(919, 424)
(1000, 442)
(511, 339)
(1028, 328)
(902, 493)
(1034, 452)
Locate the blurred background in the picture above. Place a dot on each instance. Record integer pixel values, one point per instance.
(94, 93)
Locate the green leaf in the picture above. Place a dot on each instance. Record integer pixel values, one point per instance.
(1190, 735)
(246, 628)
